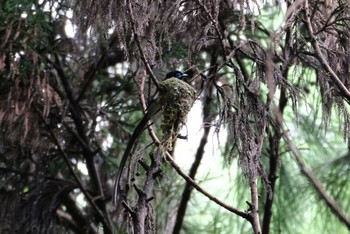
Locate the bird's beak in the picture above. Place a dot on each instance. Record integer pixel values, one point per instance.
(184, 75)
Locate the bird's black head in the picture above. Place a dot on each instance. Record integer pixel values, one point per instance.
(176, 74)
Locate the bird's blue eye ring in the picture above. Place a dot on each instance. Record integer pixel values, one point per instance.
(178, 75)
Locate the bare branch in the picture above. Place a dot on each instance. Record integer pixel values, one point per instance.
(205, 193)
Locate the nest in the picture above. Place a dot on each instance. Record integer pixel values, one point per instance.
(176, 99)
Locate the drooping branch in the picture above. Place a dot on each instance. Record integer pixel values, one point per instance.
(139, 46)
(336, 80)
(216, 27)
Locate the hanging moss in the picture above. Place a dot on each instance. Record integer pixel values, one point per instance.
(176, 98)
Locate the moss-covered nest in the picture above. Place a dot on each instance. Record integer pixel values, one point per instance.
(176, 99)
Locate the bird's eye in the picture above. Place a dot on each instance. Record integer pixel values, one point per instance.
(178, 75)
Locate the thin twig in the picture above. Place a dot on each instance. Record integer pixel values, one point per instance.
(144, 108)
(138, 43)
(205, 193)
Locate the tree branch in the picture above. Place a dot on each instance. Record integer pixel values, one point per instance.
(254, 209)
(144, 195)
(87, 151)
(79, 217)
(138, 43)
(216, 27)
(339, 84)
(275, 137)
(330, 202)
(103, 62)
(75, 176)
(202, 191)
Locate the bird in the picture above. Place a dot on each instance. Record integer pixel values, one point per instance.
(154, 108)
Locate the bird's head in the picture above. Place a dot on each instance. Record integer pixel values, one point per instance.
(176, 74)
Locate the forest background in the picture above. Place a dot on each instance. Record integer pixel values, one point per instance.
(267, 140)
